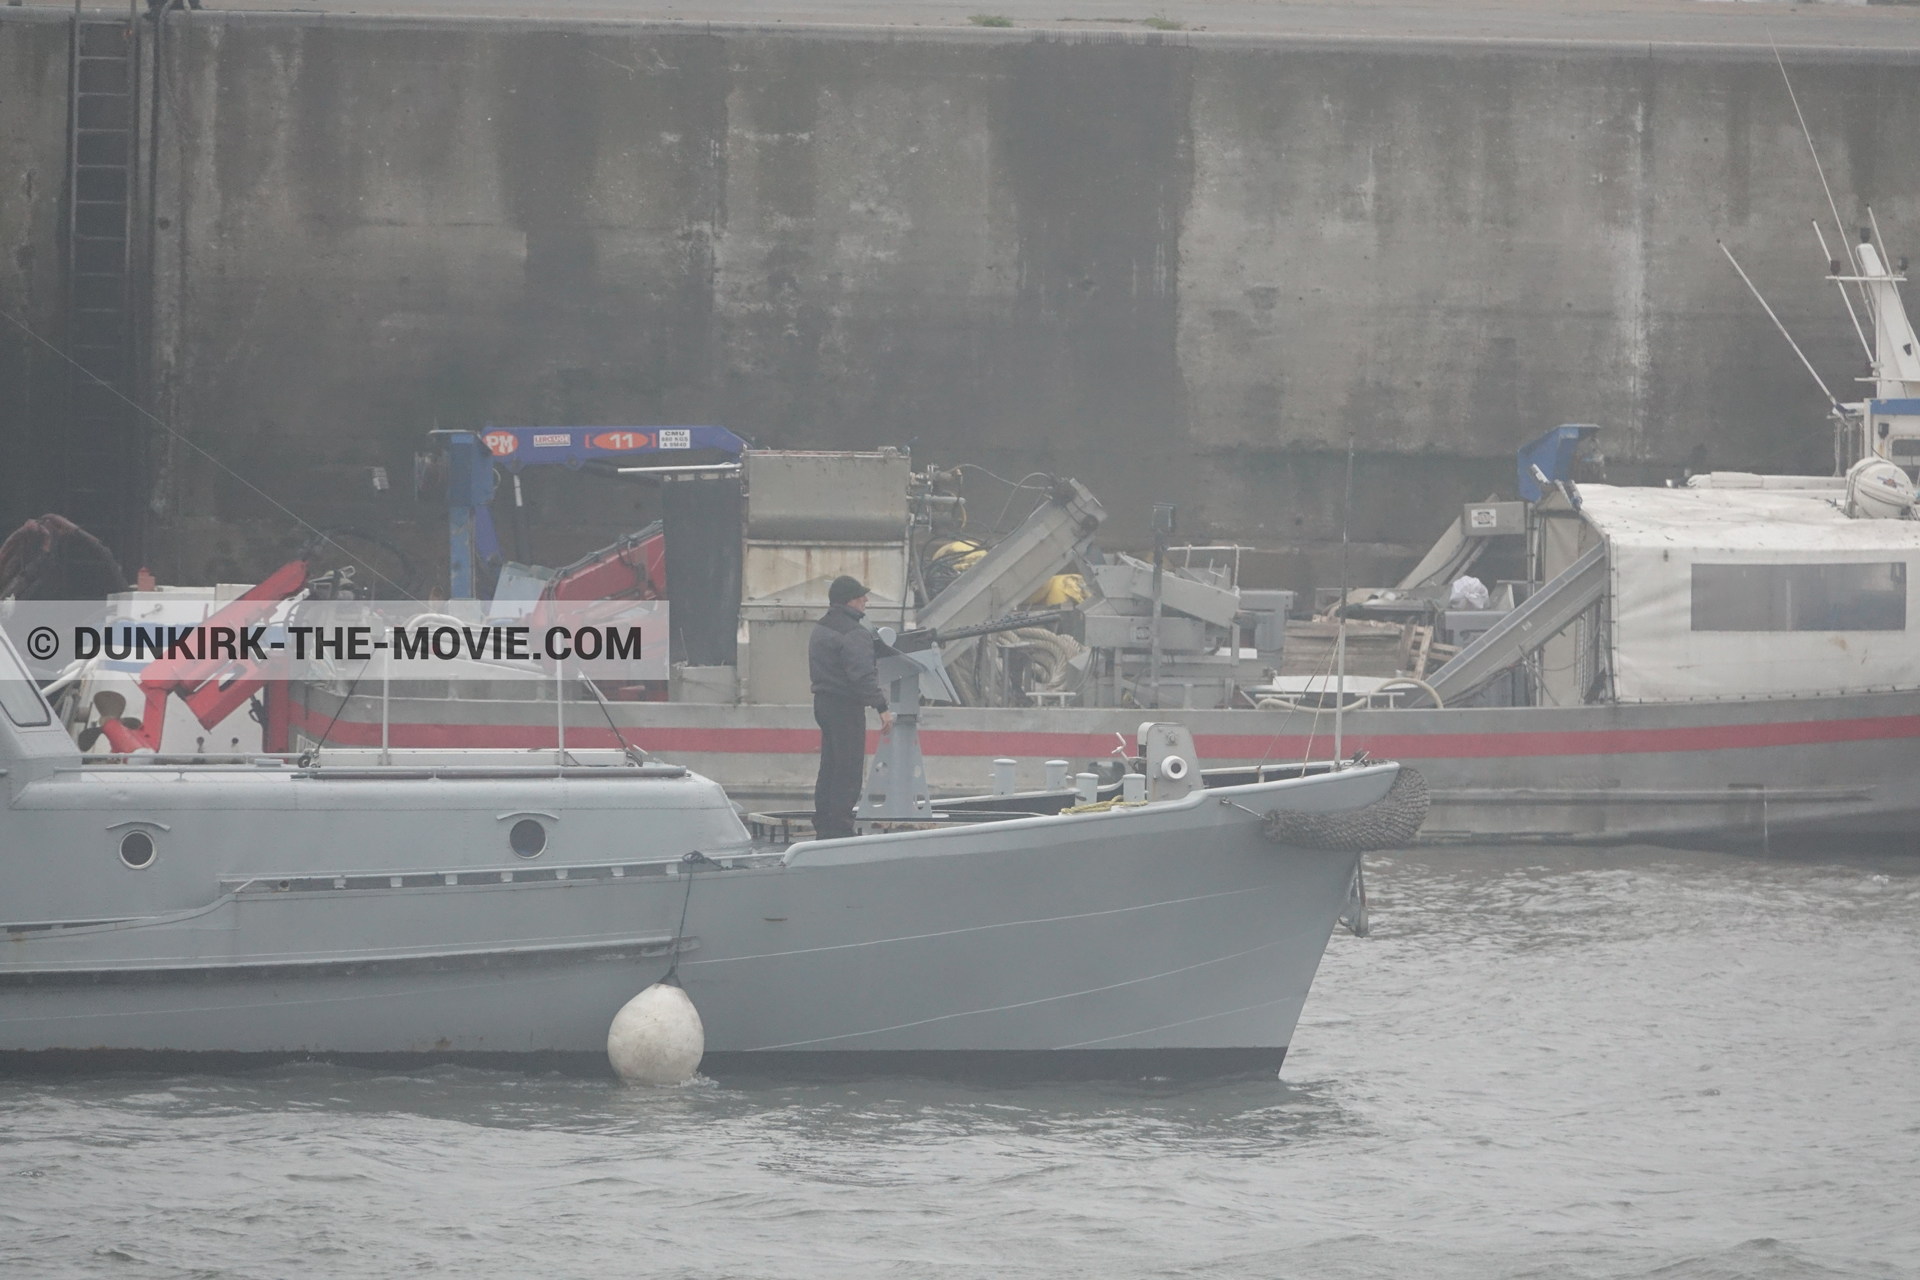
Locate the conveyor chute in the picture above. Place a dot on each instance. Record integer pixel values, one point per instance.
(1446, 560)
(1547, 613)
(1020, 563)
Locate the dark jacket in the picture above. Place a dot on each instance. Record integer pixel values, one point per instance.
(840, 657)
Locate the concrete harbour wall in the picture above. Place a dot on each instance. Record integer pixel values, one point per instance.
(33, 160)
(1179, 270)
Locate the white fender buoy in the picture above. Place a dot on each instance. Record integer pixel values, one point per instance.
(656, 1038)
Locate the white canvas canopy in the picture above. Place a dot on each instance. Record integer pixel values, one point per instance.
(1732, 593)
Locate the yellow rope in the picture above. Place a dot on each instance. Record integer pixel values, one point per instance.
(1102, 806)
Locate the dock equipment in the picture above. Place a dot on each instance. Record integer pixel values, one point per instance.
(1020, 563)
(1547, 612)
(474, 459)
(896, 786)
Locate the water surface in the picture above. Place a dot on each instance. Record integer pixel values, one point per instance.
(1543, 1064)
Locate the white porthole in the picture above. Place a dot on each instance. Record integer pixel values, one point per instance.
(528, 838)
(136, 849)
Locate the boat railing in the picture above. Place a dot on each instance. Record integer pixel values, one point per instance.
(365, 764)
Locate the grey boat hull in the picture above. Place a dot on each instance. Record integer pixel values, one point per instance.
(1177, 927)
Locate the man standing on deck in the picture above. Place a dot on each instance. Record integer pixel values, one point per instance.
(840, 654)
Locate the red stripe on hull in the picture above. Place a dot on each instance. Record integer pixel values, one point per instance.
(1576, 742)
(720, 740)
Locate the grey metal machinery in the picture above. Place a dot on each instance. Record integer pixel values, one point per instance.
(1053, 537)
(896, 786)
(811, 516)
(1193, 618)
(1263, 614)
(1169, 760)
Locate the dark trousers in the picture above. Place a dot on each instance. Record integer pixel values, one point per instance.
(843, 757)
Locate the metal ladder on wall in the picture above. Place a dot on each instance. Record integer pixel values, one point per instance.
(103, 456)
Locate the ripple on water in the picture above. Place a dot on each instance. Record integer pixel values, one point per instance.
(1623, 1063)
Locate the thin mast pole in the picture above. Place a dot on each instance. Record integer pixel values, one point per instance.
(1340, 635)
(1831, 400)
(1844, 295)
(1820, 169)
(386, 703)
(1163, 522)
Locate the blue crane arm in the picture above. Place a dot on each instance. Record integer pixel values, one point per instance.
(470, 481)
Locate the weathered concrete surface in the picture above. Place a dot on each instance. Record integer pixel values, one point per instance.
(1858, 24)
(1178, 270)
(1439, 255)
(33, 158)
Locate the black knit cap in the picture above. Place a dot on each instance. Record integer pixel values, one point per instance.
(845, 588)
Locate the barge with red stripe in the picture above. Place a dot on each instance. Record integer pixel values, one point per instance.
(1752, 773)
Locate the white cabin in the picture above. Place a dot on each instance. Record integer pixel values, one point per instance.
(1716, 592)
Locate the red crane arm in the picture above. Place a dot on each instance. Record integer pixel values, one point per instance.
(212, 688)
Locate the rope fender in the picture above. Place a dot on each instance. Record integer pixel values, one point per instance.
(1388, 823)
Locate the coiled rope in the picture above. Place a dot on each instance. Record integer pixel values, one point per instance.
(1390, 822)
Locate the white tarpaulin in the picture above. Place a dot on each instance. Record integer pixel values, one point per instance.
(1728, 593)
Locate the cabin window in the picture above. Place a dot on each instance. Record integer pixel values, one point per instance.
(1800, 597)
(1906, 455)
(18, 695)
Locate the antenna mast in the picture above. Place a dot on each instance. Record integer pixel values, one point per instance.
(1832, 205)
(1340, 636)
(1841, 285)
(1831, 399)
